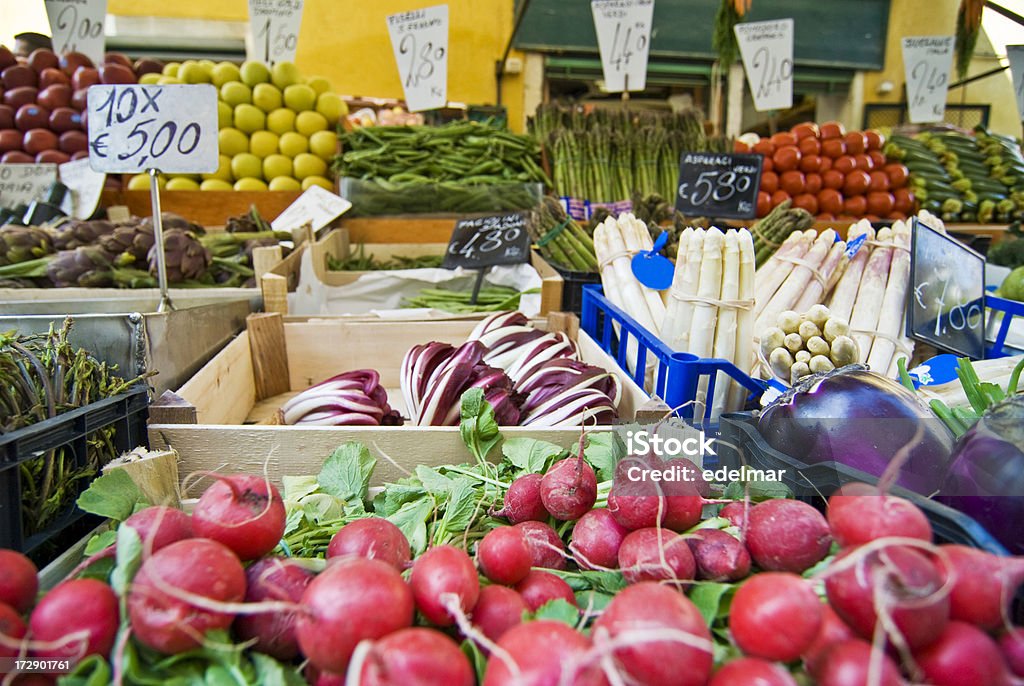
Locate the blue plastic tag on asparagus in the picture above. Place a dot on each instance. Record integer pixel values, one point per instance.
(936, 370)
(853, 246)
(651, 269)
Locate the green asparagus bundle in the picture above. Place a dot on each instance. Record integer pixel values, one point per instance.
(560, 239)
(773, 229)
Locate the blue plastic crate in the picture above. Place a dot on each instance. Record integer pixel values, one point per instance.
(678, 375)
(1009, 309)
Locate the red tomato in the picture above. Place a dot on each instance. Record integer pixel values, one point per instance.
(812, 183)
(899, 175)
(779, 197)
(764, 147)
(769, 182)
(830, 200)
(855, 143)
(877, 158)
(826, 164)
(895, 214)
(872, 217)
(782, 139)
(833, 147)
(856, 183)
(876, 141)
(810, 163)
(833, 178)
(904, 200)
(806, 201)
(786, 158)
(805, 130)
(881, 203)
(810, 146)
(764, 203)
(767, 165)
(832, 129)
(879, 181)
(825, 217)
(864, 162)
(740, 146)
(792, 182)
(857, 206)
(845, 164)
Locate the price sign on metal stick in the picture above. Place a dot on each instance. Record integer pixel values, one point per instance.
(155, 129)
(1015, 53)
(274, 30)
(718, 184)
(767, 51)
(624, 37)
(926, 63)
(77, 26)
(488, 241)
(420, 42)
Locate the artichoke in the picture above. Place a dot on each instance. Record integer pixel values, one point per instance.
(77, 233)
(129, 244)
(23, 243)
(186, 257)
(86, 266)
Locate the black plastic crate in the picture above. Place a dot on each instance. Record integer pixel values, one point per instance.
(740, 444)
(126, 413)
(572, 289)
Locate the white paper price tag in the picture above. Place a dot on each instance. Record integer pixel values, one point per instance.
(172, 128)
(84, 188)
(624, 37)
(274, 27)
(926, 63)
(77, 25)
(23, 183)
(317, 206)
(420, 42)
(1015, 53)
(767, 51)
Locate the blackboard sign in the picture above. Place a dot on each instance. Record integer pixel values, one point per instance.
(946, 307)
(718, 184)
(488, 241)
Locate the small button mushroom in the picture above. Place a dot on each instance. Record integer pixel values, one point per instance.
(794, 342)
(780, 361)
(820, 363)
(802, 356)
(771, 339)
(817, 345)
(809, 330)
(818, 314)
(844, 351)
(798, 371)
(835, 327)
(789, 321)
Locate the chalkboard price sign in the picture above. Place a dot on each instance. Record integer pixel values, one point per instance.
(488, 241)
(718, 184)
(946, 307)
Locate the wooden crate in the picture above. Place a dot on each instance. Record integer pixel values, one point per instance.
(211, 422)
(339, 244)
(208, 208)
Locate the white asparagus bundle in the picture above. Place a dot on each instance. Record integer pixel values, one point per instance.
(845, 293)
(835, 261)
(795, 284)
(676, 329)
(705, 315)
(768, 280)
(745, 355)
(996, 371)
(725, 330)
(612, 255)
(864, 319)
(892, 312)
(638, 238)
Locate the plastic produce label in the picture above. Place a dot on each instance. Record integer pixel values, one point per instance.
(77, 26)
(274, 30)
(420, 42)
(624, 37)
(927, 61)
(767, 51)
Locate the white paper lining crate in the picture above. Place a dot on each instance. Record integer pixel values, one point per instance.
(254, 375)
(339, 244)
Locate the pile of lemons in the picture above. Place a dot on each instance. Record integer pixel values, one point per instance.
(278, 130)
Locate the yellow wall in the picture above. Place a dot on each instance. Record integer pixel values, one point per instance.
(908, 19)
(347, 42)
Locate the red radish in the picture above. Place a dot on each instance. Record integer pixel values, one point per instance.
(239, 512)
(569, 488)
(546, 547)
(498, 609)
(903, 581)
(684, 499)
(12, 628)
(440, 570)
(504, 555)
(983, 585)
(317, 677)
(522, 502)
(540, 587)
(718, 556)
(164, 620)
(596, 539)
(374, 538)
(856, 519)
(352, 600)
(787, 535)
(273, 578)
(656, 554)
(160, 526)
(659, 637)
(542, 653)
(849, 663)
(1012, 646)
(18, 581)
(832, 631)
(416, 657)
(752, 671)
(76, 618)
(963, 655)
(636, 505)
(775, 615)
(737, 512)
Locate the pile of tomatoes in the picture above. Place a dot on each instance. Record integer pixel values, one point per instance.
(831, 173)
